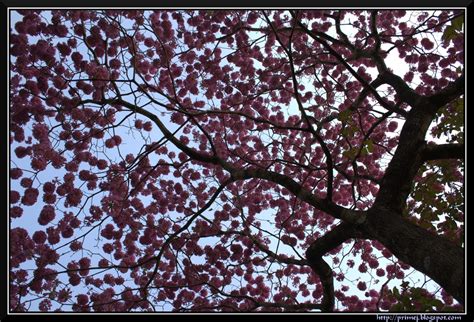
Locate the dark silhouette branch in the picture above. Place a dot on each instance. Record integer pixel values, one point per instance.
(434, 255)
(316, 251)
(449, 93)
(344, 62)
(443, 151)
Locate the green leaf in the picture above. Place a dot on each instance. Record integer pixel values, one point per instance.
(349, 131)
(457, 23)
(396, 308)
(459, 105)
(449, 33)
(351, 153)
(396, 292)
(364, 151)
(370, 146)
(344, 115)
(451, 223)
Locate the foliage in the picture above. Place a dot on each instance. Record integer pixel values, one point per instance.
(216, 160)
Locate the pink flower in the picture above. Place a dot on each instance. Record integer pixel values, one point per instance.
(15, 173)
(108, 248)
(39, 237)
(103, 263)
(362, 268)
(147, 126)
(392, 126)
(74, 280)
(82, 299)
(427, 44)
(361, 286)
(49, 198)
(102, 164)
(16, 212)
(110, 143)
(195, 176)
(53, 237)
(39, 164)
(373, 263)
(84, 262)
(74, 197)
(22, 152)
(26, 182)
(14, 196)
(45, 305)
(117, 139)
(30, 197)
(76, 245)
(49, 187)
(47, 215)
(67, 232)
(40, 131)
(115, 63)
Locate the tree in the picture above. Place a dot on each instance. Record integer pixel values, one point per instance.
(236, 160)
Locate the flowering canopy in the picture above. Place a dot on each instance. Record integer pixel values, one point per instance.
(236, 160)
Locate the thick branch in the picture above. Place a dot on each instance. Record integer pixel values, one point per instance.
(449, 93)
(315, 253)
(410, 153)
(168, 241)
(404, 92)
(336, 211)
(344, 62)
(428, 253)
(257, 304)
(443, 151)
(349, 216)
(402, 169)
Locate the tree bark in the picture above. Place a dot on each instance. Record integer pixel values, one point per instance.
(430, 254)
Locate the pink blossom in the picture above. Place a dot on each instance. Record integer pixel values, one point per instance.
(362, 268)
(427, 44)
(47, 215)
(49, 198)
(84, 262)
(361, 286)
(392, 126)
(39, 237)
(74, 197)
(15, 173)
(49, 187)
(115, 63)
(30, 197)
(26, 182)
(40, 131)
(75, 245)
(16, 212)
(14, 196)
(82, 299)
(147, 126)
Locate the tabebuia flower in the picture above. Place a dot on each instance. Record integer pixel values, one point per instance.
(270, 160)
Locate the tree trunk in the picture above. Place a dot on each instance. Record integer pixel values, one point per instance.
(430, 254)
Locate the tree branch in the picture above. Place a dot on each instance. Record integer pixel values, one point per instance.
(346, 215)
(343, 61)
(350, 216)
(452, 91)
(431, 254)
(443, 151)
(321, 246)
